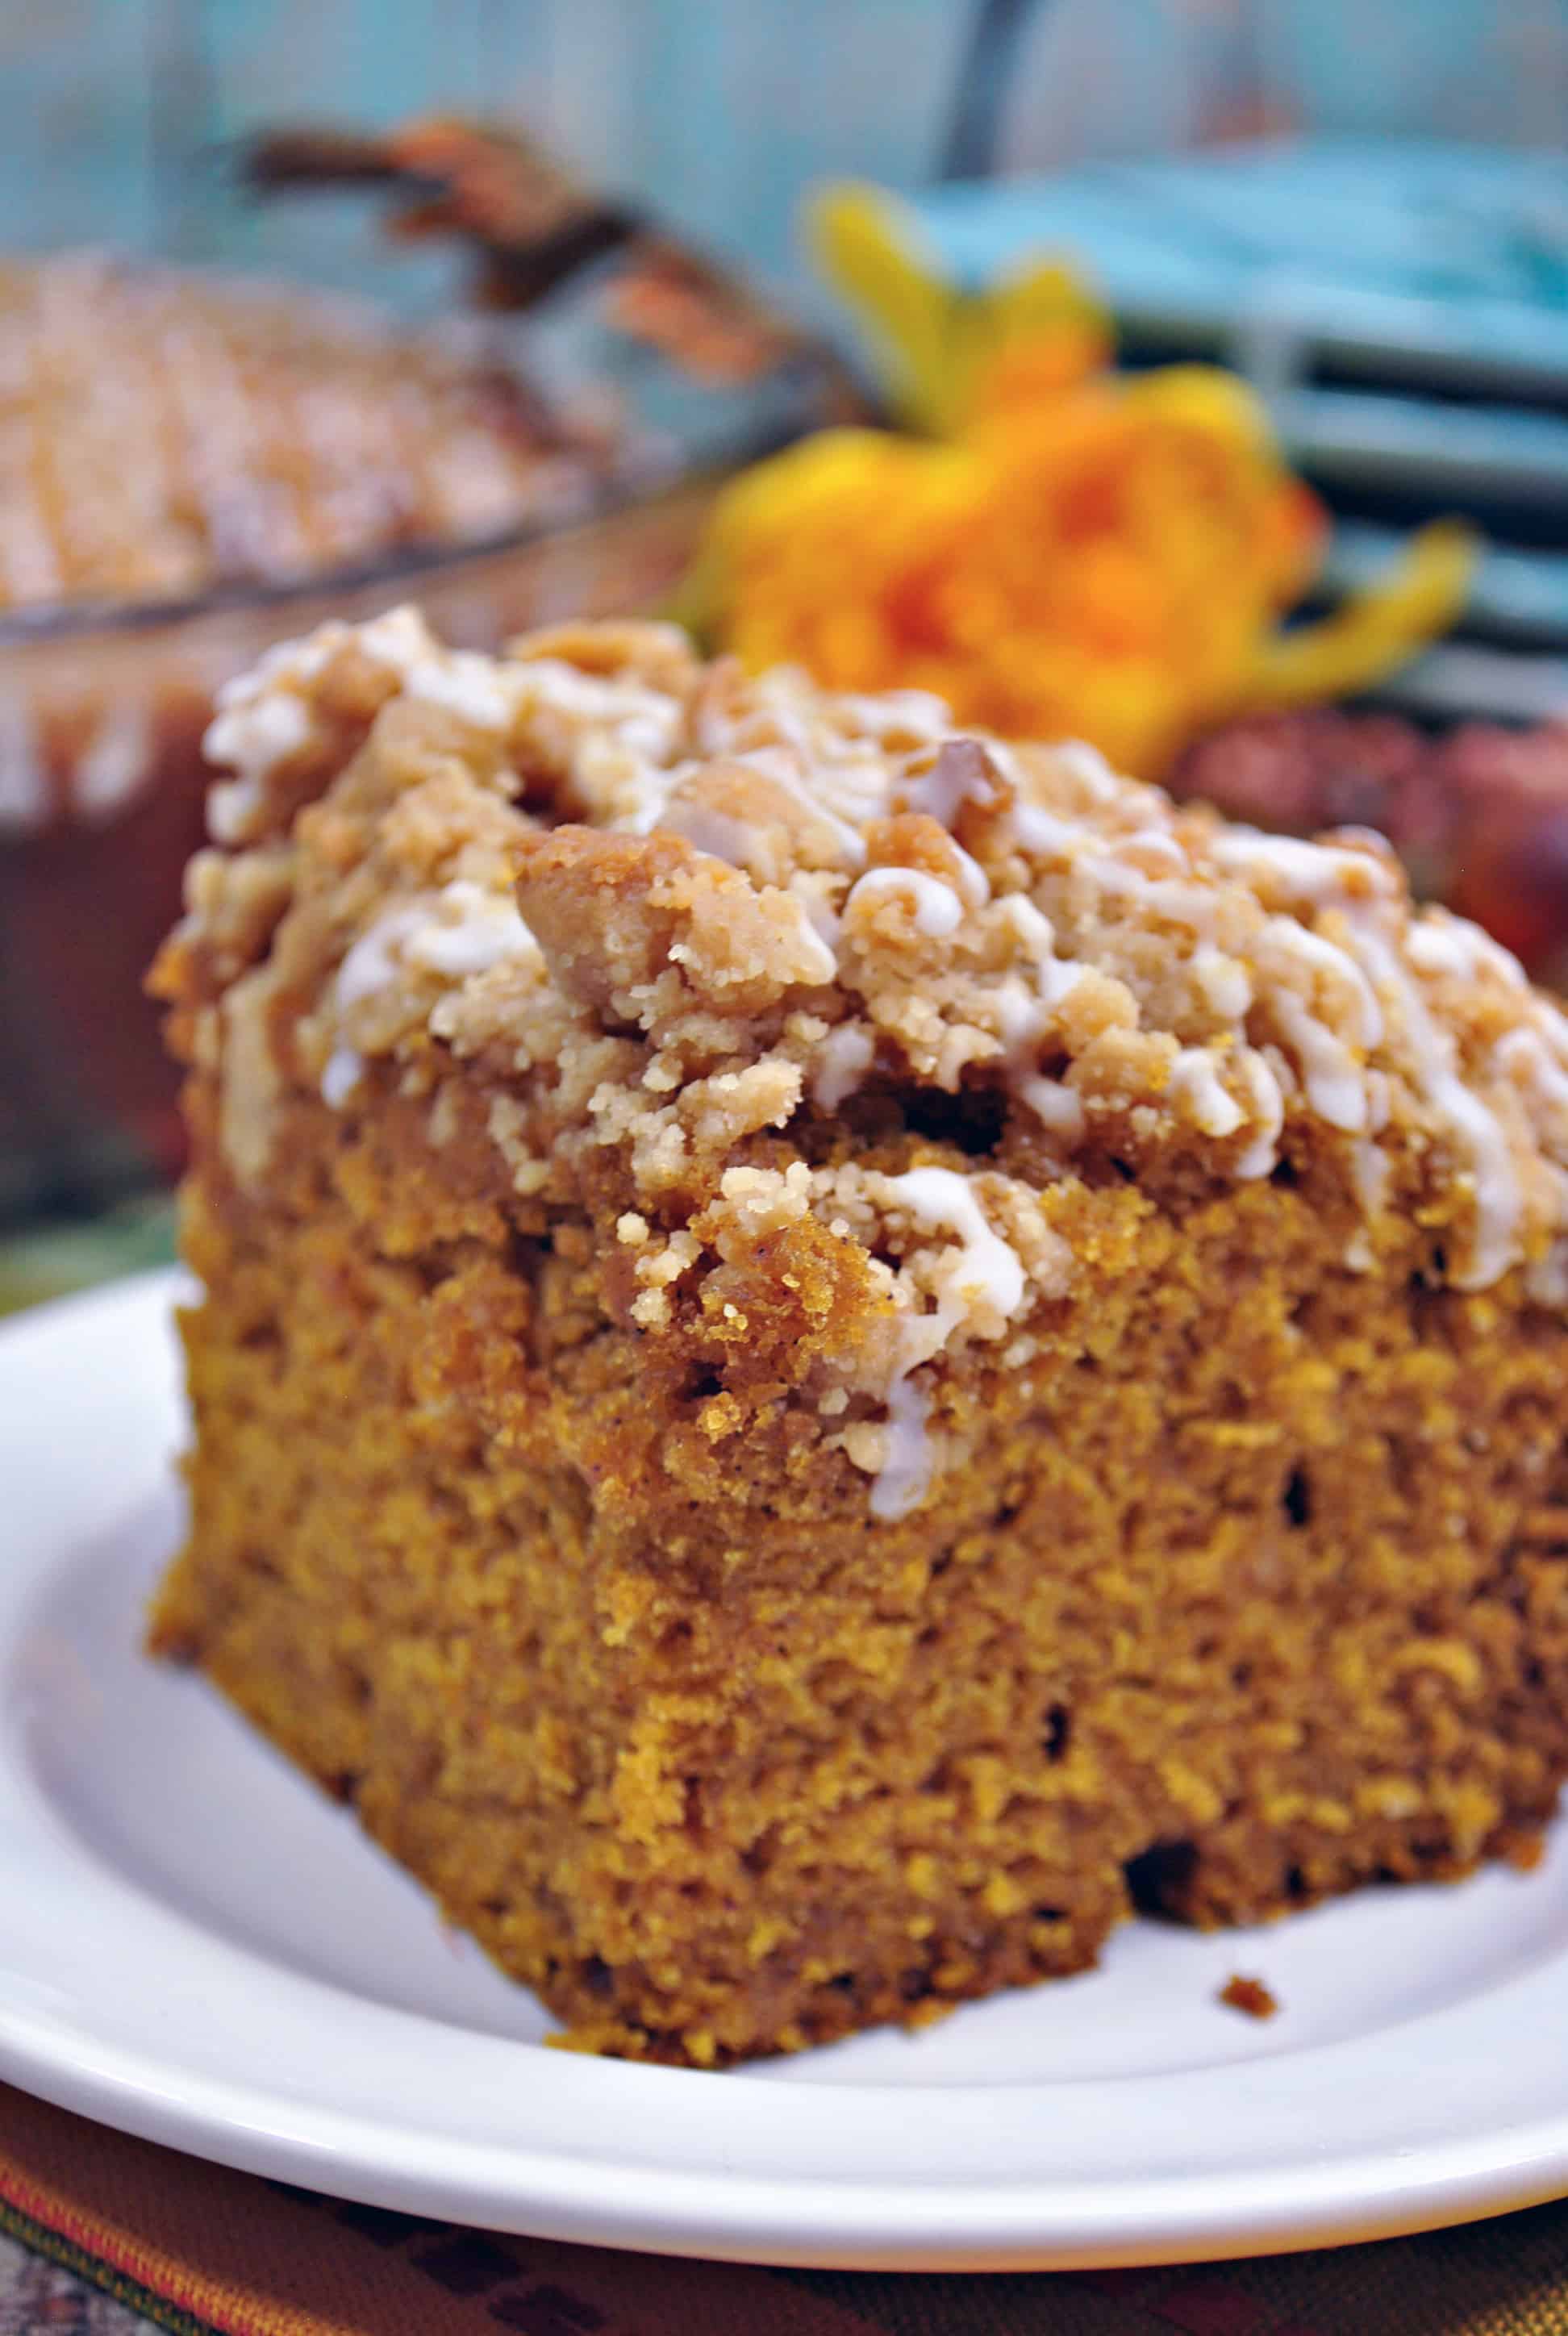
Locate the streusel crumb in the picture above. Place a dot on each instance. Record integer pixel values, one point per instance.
(667, 913)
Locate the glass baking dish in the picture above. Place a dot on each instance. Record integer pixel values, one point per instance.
(102, 781)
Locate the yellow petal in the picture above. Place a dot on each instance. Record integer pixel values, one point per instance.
(1205, 397)
(1374, 631)
(936, 342)
(868, 247)
(1047, 295)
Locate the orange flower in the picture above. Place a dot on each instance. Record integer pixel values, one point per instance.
(1082, 554)
(1099, 561)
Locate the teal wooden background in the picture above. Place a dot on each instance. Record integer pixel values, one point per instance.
(721, 110)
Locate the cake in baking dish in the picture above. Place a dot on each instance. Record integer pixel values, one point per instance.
(833, 1353)
(163, 433)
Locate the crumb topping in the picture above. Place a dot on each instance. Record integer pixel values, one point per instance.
(724, 945)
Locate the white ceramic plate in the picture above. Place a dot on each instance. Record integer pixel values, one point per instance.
(198, 1947)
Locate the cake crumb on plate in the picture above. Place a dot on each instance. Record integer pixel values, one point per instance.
(1250, 1996)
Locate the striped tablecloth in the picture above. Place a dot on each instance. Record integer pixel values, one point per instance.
(101, 2235)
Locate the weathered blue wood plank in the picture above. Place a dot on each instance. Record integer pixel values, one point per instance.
(76, 159)
(722, 111)
(355, 61)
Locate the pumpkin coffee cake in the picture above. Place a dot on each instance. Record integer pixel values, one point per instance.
(833, 1353)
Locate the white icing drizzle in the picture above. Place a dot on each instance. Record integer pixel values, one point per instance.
(1025, 1003)
(974, 884)
(1333, 1076)
(1524, 1056)
(253, 739)
(1370, 1172)
(1040, 831)
(986, 1269)
(1089, 767)
(301, 660)
(459, 932)
(913, 713)
(1282, 936)
(902, 1481)
(1055, 976)
(1222, 982)
(708, 829)
(938, 909)
(843, 1059)
(645, 721)
(1056, 1106)
(1439, 942)
(809, 894)
(372, 963)
(855, 787)
(399, 640)
(818, 963)
(1469, 1123)
(782, 766)
(1191, 905)
(1152, 852)
(1295, 874)
(978, 1287)
(1262, 1155)
(262, 721)
(1434, 948)
(952, 781)
(345, 1069)
(1195, 1080)
(231, 809)
(467, 685)
(473, 931)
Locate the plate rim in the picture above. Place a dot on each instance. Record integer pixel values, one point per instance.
(826, 2221)
(778, 2224)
